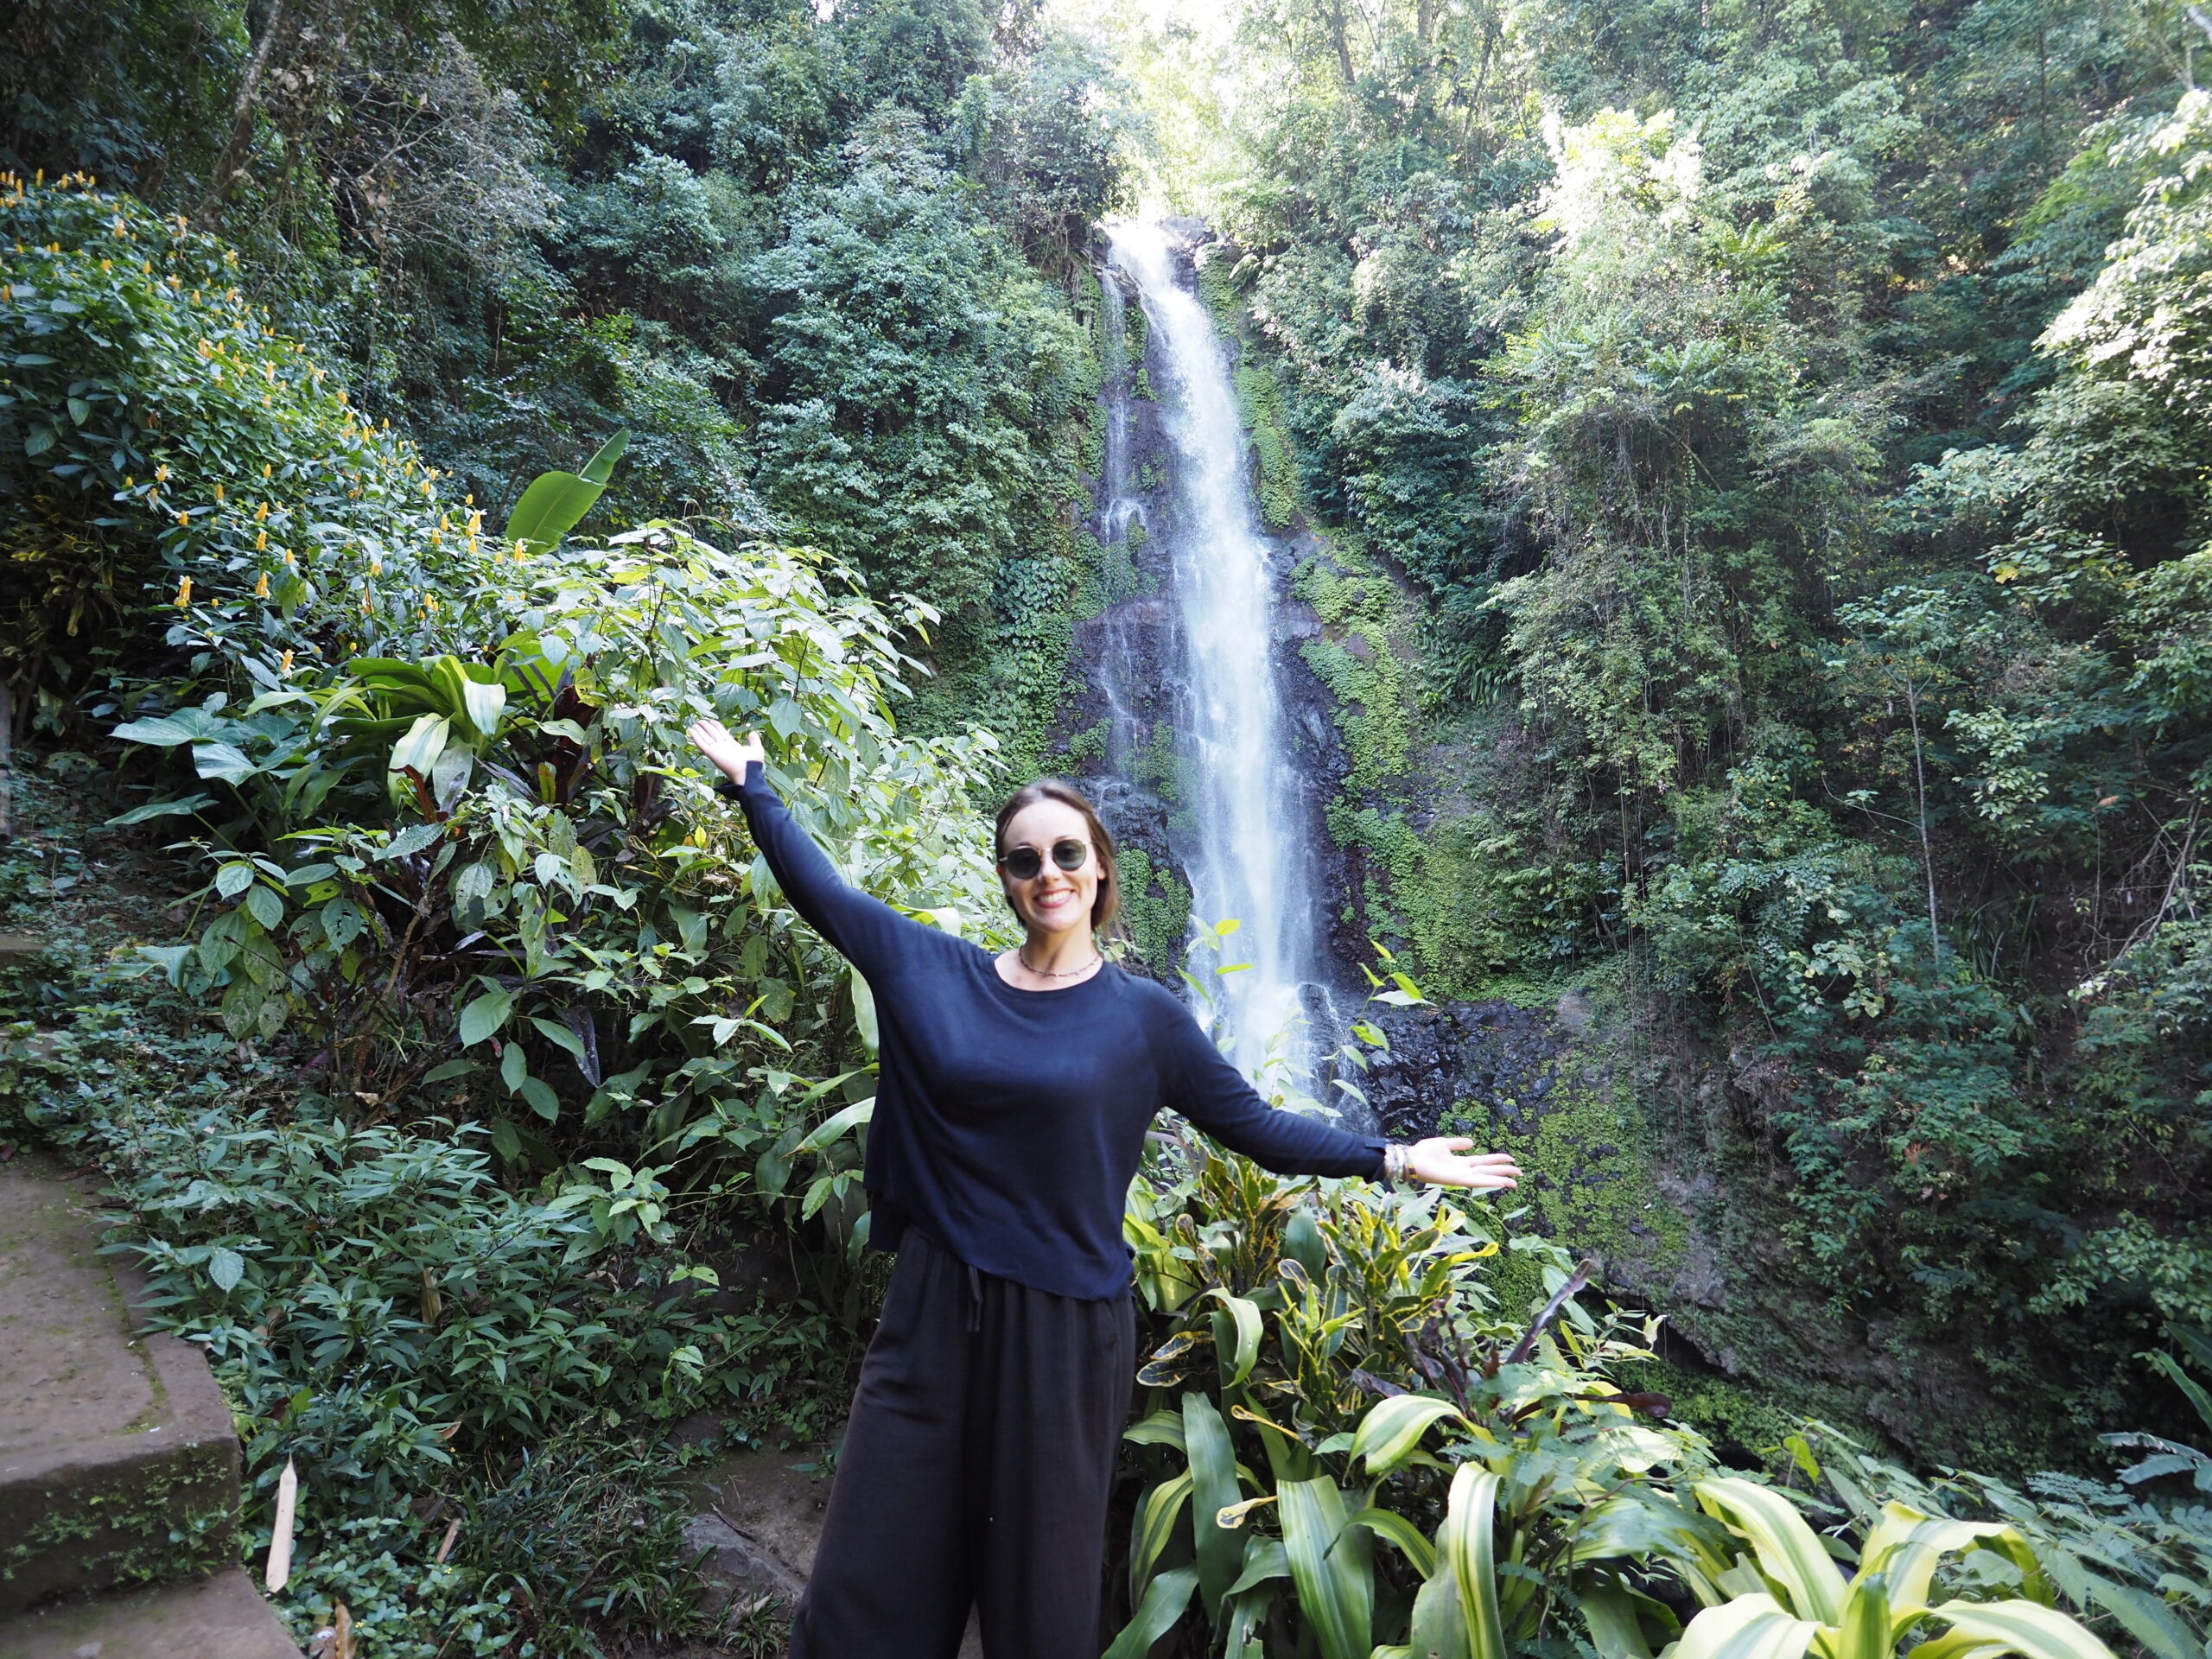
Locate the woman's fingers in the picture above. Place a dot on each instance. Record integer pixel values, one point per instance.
(1443, 1160)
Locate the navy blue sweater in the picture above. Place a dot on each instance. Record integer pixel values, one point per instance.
(1008, 1122)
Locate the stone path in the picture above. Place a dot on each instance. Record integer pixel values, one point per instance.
(761, 1519)
(119, 1464)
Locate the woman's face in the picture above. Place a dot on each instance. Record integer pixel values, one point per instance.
(1054, 900)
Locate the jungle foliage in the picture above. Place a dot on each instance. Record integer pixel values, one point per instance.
(1764, 450)
(821, 267)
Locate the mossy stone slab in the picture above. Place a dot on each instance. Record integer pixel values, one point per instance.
(218, 1618)
(118, 1464)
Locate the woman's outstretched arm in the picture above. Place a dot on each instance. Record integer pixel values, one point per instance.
(866, 931)
(1214, 1095)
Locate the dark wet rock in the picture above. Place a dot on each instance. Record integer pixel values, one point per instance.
(1493, 1057)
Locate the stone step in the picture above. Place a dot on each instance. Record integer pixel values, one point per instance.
(119, 1464)
(222, 1616)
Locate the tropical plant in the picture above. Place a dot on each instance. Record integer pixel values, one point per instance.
(423, 860)
(1339, 1333)
(1786, 1597)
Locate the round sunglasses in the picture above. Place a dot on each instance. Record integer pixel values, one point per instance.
(1023, 863)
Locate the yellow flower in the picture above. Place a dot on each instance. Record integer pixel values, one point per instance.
(287, 552)
(264, 473)
(261, 587)
(376, 567)
(161, 473)
(261, 513)
(184, 517)
(364, 601)
(261, 541)
(184, 593)
(284, 663)
(219, 495)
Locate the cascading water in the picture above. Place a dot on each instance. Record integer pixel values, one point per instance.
(1245, 844)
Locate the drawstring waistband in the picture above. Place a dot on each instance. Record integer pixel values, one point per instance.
(975, 1297)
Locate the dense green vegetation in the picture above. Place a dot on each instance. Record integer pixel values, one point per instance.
(1767, 588)
(1763, 581)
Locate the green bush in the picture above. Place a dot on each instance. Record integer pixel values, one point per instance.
(158, 437)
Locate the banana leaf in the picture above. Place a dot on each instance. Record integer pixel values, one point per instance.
(555, 502)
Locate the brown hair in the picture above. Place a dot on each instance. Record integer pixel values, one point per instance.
(1107, 906)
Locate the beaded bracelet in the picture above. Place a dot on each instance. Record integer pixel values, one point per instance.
(1394, 1165)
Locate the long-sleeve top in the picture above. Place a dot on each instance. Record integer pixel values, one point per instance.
(1009, 1123)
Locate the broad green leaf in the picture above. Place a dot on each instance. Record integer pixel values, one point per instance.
(1401, 1535)
(864, 1010)
(832, 1130)
(2026, 1628)
(1213, 1488)
(1165, 1598)
(558, 1035)
(1788, 1551)
(600, 469)
(1154, 1524)
(1865, 1633)
(1468, 1542)
(1609, 1613)
(1162, 1428)
(225, 1269)
(1750, 1627)
(265, 906)
(223, 762)
(1246, 1316)
(485, 1016)
(418, 750)
(1904, 1545)
(555, 502)
(171, 958)
(163, 734)
(1440, 1626)
(1264, 1559)
(539, 1093)
(1330, 1567)
(154, 810)
(233, 879)
(1393, 1428)
(484, 705)
(2147, 1619)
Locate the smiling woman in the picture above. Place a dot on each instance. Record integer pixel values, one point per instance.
(1011, 1108)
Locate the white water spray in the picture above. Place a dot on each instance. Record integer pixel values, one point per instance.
(1249, 855)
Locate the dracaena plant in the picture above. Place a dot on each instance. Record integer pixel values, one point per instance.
(1775, 1592)
(1351, 1443)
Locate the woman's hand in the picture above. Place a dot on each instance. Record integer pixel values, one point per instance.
(731, 754)
(1440, 1161)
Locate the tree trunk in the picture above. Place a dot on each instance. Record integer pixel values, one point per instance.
(1333, 15)
(245, 108)
(1927, 850)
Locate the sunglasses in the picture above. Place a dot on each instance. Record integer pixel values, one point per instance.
(1025, 863)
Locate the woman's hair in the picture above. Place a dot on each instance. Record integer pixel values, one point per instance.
(1106, 908)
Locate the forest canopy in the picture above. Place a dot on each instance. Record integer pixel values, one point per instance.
(1738, 475)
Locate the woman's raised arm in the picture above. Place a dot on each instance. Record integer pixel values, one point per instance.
(867, 932)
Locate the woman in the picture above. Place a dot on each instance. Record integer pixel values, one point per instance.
(1011, 1101)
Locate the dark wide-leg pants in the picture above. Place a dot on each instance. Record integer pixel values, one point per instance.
(974, 1471)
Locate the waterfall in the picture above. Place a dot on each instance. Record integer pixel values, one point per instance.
(1244, 841)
